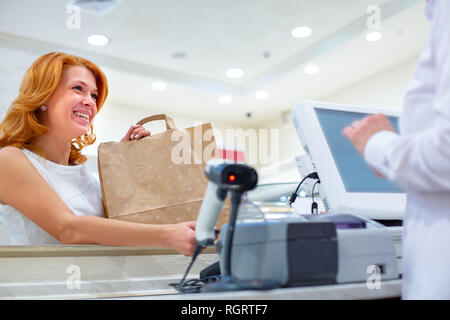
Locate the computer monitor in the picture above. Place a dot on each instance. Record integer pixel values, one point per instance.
(347, 183)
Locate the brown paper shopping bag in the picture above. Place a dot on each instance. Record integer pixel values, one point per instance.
(158, 179)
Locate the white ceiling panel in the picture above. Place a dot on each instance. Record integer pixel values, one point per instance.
(213, 36)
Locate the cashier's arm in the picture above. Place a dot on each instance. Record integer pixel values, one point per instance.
(23, 188)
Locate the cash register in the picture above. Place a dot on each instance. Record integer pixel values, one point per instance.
(347, 243)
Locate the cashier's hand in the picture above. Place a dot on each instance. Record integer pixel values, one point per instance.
(181, 237)
(359, 132)
(135, 132)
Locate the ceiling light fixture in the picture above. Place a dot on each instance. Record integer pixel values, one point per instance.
(373, 36)
(234, 73)
(225, 99)
(261, 95)
(311, 69)
(301, 32)
(158, 86)
(98, 40)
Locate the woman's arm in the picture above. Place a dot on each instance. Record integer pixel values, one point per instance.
(23, 188)
(92, 229)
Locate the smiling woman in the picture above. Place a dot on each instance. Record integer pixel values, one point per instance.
(43, 84)
(46, 194)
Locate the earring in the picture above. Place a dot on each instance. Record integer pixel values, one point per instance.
(43, 108)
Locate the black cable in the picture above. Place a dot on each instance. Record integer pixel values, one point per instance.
(195, 285)
(314, 206)
(312, 175)
(182, 283)
(236, 197)
(192, 285)
(314, 186)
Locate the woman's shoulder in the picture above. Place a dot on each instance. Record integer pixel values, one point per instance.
(12, 160)
(11, 153)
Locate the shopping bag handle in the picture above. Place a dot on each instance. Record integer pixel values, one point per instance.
(169, 121)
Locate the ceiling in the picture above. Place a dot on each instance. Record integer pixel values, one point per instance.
(213, 36)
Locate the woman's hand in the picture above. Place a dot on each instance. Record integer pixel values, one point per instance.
(181, 237)
(361, 131)
(135, 132)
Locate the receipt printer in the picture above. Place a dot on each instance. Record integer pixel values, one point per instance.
(294, 253)
(311, 250)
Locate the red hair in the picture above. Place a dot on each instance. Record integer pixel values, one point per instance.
(21, 125)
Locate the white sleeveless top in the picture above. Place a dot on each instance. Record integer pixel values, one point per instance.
(78, 188)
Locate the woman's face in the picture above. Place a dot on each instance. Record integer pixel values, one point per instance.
(73, 105)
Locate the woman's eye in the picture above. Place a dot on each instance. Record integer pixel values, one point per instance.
(78, 88)
(94, 96)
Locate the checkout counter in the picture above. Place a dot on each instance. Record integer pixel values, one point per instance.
(102, 272)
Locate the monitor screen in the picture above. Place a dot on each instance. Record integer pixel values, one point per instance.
(356, 174)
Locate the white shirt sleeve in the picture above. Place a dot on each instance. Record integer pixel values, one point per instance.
(421, 161)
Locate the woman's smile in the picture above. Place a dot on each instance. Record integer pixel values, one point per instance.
(82, 117)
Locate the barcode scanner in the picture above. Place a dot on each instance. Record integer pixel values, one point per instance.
(223, 176)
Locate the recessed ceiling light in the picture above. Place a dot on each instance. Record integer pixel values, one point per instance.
(261, 95)
(301, 32)
(373, 36)
(225, 99)
(234, 73)
(311, 69)
(158, 85)
(98, 40)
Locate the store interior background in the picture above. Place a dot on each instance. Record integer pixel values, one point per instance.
(189, 45)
